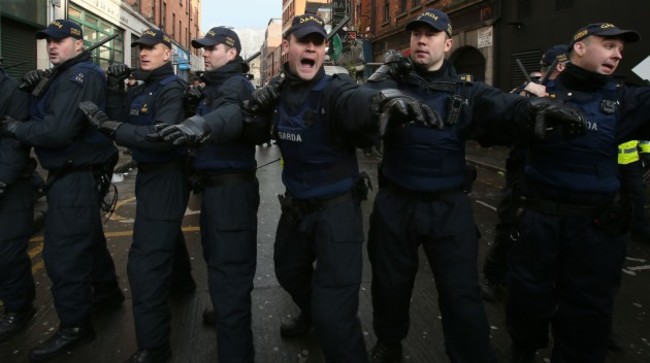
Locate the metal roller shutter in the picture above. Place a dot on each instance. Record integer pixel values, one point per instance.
(18, 45)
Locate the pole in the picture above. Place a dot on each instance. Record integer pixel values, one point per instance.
(523, 70)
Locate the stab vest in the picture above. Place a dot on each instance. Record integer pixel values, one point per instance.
(232, 155)
(91, 147)
(586, 162)
(142, 113)
(421, 158)
(314, 167)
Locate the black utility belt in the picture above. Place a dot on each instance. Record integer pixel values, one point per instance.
(213, 179)
(57, 173)
(555, 208)
(306, 206)
(73, 169)
(423, 196)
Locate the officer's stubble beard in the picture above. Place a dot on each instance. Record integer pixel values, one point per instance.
(436, 65)
(78, 49)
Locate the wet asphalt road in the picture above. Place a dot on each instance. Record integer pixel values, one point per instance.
(193, 342)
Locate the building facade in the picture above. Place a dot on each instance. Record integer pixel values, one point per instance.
(20, 19)
(528, 27)
(271, 51)
(490, 35)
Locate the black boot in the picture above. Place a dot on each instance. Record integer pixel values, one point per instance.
(386, 352)
(296, 327)
(12, 322)
(209, 317)
(157, 355)
(65, 339)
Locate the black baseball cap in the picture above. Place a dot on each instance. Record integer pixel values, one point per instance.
(605, 30)
(151, 37)
(218, 35)
(434, 18)
(61, 29)
(306, 24)
(557, 51)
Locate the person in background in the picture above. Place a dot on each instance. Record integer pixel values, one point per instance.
(17, 288)
(225, 174)
(318, 121)
(631, 171)
(422, 199)
(505, 231)
(565, 269)
(158, 261)
(79, 161)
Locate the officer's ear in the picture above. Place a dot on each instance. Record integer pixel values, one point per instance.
(285, 43)
(232, 53)
(78, 45)
(167, 54)
(579, 48)
(448, 44)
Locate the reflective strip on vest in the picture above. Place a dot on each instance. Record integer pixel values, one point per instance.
(627, 152)
(644, 147)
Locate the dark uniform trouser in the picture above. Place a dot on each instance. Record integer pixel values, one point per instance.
(16, 219)
(633, 188)
(563, 272)
(157, 244)
(75, 252)
(328, 293)
(229, 239)
(495, 266)
(445, 228)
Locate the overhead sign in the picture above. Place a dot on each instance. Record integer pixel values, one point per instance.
(339, 10)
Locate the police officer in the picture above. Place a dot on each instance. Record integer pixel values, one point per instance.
(644, 153)
(78, 159)
(421, 199)
(565, 268)
(16, 217)
(495, 266)
(631, 171)
(318, 121)
(230, 198)
(158, 258)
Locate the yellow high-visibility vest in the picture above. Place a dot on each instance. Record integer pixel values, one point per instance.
(644, 147)
(628, 152)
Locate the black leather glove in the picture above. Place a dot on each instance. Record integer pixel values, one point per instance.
(116, 74)
(8, 126)
(191, 100)
(399, 66)
(547, 115)
(394, 106)
(396, 67)
(31, 79)
(264, 99)
(256, 128)
(99, 119)
(192, 131)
